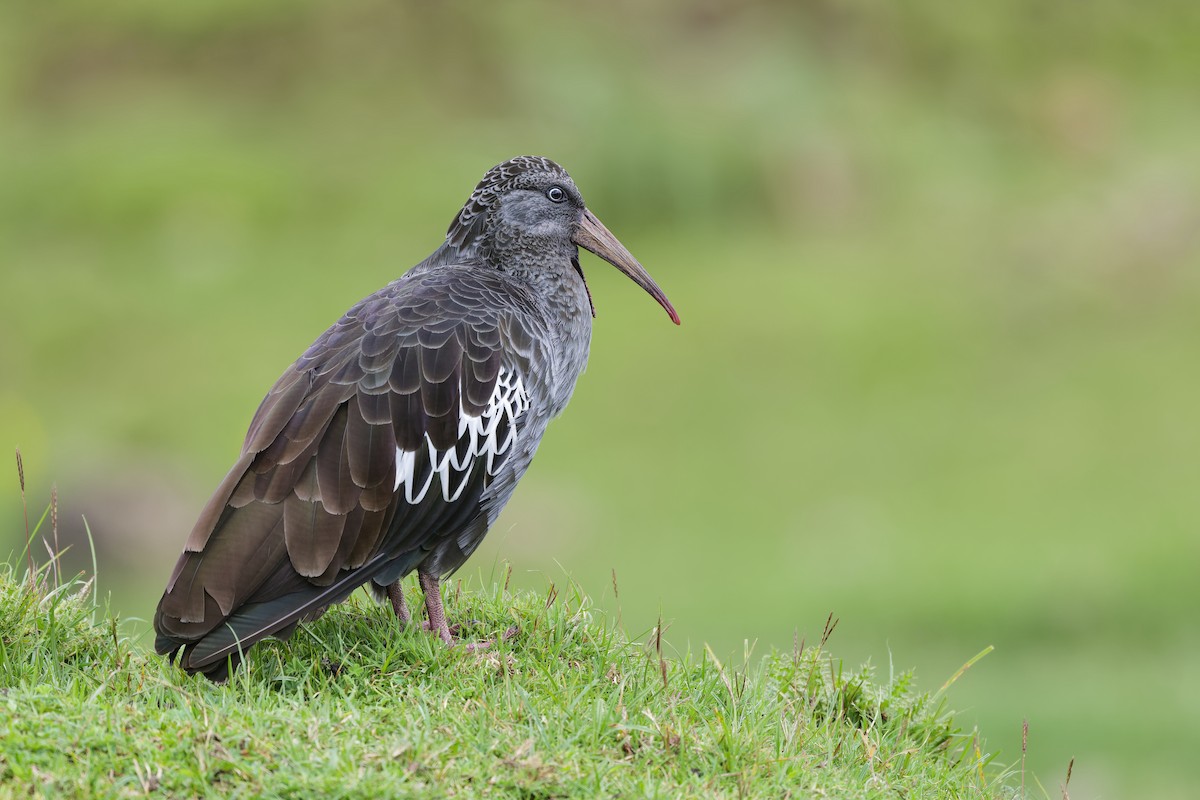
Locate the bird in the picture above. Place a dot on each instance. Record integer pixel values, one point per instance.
(393, 443)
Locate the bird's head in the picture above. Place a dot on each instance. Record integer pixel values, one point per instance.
(533, 201)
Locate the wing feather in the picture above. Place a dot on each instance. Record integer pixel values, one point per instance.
(371, 454)
(338, 490)
(312, 534)
(370, 447)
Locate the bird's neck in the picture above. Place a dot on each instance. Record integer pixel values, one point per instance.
(520, 253)
(557, 287)
(548, 269)
(547, 266)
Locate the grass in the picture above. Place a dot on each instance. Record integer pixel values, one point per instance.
(354, 707)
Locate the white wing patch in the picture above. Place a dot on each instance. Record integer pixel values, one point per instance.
(487, 436)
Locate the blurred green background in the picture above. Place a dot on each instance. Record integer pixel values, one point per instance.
(938, 267)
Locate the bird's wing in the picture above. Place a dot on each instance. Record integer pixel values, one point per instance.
(379, 440)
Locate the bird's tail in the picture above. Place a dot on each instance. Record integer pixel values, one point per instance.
(220, 650)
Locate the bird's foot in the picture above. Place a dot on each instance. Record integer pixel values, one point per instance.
(475, 647)
(437, 616)
(450, 635)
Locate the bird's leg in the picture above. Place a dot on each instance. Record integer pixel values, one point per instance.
(433, 606)
(437, 615)
(395, 593)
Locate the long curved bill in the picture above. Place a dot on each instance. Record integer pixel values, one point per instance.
(595, 238)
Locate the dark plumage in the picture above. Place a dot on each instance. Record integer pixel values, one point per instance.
(394, 442)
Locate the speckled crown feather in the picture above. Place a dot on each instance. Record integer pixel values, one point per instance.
(466, 229)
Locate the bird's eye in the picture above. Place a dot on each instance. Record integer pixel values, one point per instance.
(556, 194)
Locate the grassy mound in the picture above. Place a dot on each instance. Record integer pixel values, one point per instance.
(354, 707)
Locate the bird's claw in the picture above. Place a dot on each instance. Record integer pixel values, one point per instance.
(475, 647)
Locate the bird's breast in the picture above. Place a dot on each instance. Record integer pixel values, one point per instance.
(572, 342)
